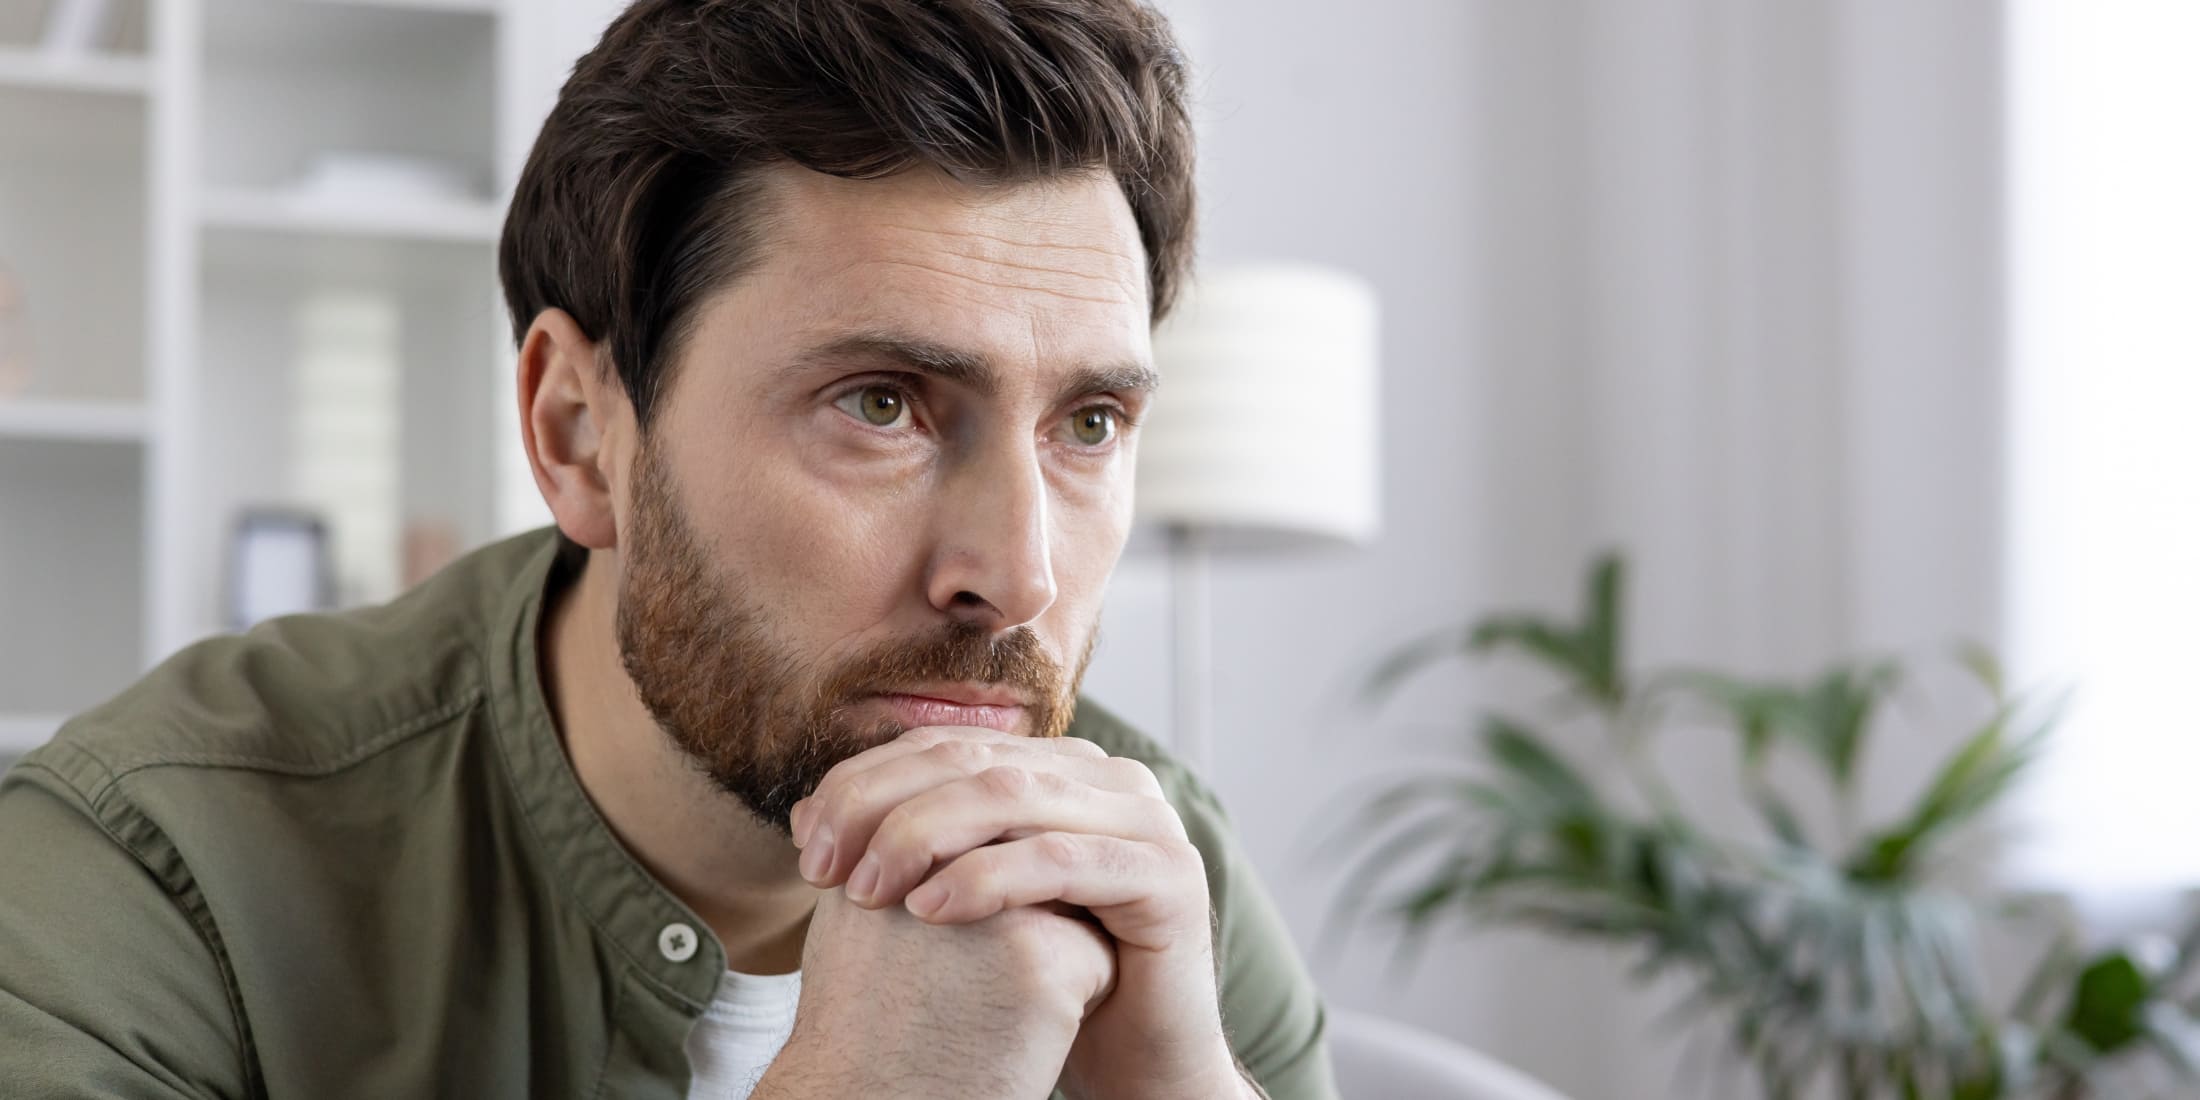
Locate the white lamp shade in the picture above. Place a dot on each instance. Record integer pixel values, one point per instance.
(1263, 432)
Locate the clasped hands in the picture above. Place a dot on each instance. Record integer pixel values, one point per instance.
(961, 825)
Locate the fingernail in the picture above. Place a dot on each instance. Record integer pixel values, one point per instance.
(865, 880)
(817, 857)
(928, 899)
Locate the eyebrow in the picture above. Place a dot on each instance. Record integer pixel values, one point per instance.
(970, 369)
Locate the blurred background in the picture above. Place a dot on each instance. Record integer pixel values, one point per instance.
(1859, 327)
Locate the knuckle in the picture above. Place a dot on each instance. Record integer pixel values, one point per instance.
(1015, 923)
(853, 793)
(962, 755)
(1133, 775)
(897, 830)
(1042, 951)
(982, 876)
(1026, 929)
(1186, 857)
(1062, 851)
(928, 737)
(1161, 819)
(1008, 782)
(1078, 746)
(833, 777)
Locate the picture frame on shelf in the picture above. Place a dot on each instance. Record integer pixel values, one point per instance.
(279, 564)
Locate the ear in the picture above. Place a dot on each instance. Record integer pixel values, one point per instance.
(574, 419)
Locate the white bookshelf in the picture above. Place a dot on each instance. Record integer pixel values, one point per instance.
(420, 219)
(479, 7)
(24, 67)
(79, 421)
(160, 213)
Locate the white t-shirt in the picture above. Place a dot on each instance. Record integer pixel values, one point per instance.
(749, 1019)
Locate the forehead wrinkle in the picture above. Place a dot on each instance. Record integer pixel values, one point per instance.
(1058, 292)
(1013, 242)
(1119, 269)
(995, 261)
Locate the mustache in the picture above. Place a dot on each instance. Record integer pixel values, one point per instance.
(960, 652)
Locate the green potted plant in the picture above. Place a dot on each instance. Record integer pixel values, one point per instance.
(1841, 956)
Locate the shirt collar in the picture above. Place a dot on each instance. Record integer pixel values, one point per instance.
(638, 920)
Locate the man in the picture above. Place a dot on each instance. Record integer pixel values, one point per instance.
(764, 775)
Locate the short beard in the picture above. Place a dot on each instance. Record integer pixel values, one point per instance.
(762, 722)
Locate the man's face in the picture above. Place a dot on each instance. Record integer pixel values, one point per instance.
(890, 476)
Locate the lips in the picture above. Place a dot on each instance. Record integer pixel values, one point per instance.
(989, 708)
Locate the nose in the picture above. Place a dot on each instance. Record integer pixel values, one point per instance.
(991, 566)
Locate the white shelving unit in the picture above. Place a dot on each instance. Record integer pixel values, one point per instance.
(80, 421)
(21, 67)
(201, 308)
(475, 221)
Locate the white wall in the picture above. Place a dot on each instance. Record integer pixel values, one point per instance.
(1710, 280)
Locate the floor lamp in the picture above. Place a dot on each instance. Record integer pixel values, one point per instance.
(1262, 440)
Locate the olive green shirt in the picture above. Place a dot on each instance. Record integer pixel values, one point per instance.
(346, 856)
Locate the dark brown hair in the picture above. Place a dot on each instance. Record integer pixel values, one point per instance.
(641, 194)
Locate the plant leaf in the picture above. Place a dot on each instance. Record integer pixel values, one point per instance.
(1840, 709)
(1985, 667)
(1521, 753)
(1404, 662)
(1972, 779)
(1553, 645)
(2107, 1009)
(1602, 630)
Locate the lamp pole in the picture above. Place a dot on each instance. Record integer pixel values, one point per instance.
(1191, 646)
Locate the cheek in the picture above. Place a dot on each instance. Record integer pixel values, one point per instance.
(821, 552)
(1086, 539)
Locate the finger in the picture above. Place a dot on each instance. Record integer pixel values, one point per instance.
(1144, 894)
(844, 813)
(911, 742)
(939, 824)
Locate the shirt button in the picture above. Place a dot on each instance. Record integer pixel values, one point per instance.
(676, 942)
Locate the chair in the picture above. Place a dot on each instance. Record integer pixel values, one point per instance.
(1380, 1059)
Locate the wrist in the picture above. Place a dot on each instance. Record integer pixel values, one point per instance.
(1218, 1076)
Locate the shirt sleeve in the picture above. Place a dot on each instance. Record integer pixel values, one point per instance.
(1271, 1010)
(107, 988)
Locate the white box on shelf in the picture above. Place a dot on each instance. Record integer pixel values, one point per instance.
(353, 215)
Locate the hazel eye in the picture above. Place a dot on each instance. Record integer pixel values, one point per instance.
(878, 406)
(1093, 427)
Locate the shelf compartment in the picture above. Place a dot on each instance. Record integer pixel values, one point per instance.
(73, 244)
(287, 83)
(427, 359)
(71, 573)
